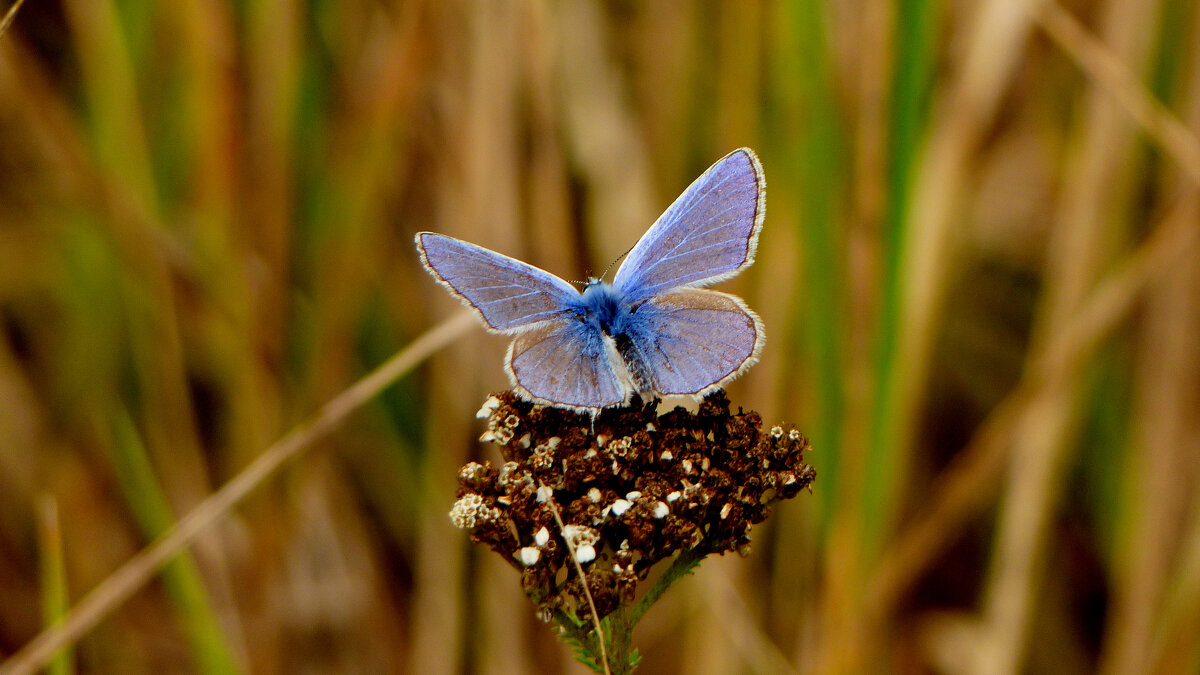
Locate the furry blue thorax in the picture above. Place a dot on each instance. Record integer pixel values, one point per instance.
(604, 307)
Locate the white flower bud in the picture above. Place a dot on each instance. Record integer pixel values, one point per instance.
(489, 407)
(529, 556)
(585, 554)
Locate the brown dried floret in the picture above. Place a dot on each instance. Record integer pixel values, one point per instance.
(631, 486)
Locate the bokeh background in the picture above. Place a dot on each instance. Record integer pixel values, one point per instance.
(978, 273)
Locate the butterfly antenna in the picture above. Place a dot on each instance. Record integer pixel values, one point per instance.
(606, 269)
(610, 265)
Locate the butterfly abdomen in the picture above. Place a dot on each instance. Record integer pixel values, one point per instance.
(635, 363)
(606, 309)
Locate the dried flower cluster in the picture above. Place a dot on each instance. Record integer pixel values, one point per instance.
(632, 488)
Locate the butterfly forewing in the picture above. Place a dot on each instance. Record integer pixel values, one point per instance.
(708, 234)
(506, 293)
(566, 362)
(691, 340)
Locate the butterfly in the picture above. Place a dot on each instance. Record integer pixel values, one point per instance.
(653, 330)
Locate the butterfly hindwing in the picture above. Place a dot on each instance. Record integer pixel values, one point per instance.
(506, 293)
(691, 340)
(708, 234)
(569, 363)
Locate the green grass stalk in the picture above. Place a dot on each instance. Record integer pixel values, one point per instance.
(912, 75)
(184, 584)
(817, 159)
(54, 581)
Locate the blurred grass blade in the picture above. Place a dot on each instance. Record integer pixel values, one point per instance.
(913, 58)
(1175, 648)
(184, 584)
(9, 16)
(54, 581)
(113, 115)
(1100, 179)
(1108, 71)
(818, 161)
(136, 572)
(973, 482)
(914, 292)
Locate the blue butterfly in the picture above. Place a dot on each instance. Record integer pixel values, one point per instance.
(652, 331)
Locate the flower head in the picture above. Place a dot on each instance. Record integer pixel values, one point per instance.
(631, 487)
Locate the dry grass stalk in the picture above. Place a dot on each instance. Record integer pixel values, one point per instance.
(140, 569)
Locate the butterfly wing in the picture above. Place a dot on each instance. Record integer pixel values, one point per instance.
(710, 233)
(690, 341)
(506, 293)
(567, 362)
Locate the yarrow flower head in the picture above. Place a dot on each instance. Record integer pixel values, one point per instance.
(630, 488)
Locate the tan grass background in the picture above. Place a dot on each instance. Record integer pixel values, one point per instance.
(979, 275)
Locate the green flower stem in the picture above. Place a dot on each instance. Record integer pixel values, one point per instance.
(683, 565)
(618, 626)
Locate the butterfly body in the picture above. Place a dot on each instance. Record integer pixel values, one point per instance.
(653, 330)
(604, 308)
